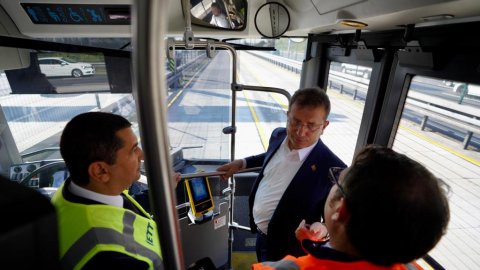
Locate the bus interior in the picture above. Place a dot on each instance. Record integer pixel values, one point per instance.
(200, 93)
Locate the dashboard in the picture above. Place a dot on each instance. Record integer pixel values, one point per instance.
(40, 174)
(19, 171)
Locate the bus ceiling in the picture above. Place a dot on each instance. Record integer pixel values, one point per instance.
(113, 19)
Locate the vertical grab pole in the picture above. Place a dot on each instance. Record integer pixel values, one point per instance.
(232, 155)
(231, 181)
(150, 92)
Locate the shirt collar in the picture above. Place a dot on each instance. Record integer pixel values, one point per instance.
(303, 152)
(102, 198)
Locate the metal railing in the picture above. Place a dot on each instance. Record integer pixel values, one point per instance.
(431, 108)
(177, 74)
(289, 64)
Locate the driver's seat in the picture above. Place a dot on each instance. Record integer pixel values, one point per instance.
(29, 229)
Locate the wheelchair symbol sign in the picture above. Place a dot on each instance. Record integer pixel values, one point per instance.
(74, 15)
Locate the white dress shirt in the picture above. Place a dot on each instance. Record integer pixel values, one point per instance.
(88, 194)
(220, 20)
(277, 175)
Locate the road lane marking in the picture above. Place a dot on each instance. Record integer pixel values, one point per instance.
(444, 147)
(413, 132)
(275, 96)
(260, 129)
(183, 88)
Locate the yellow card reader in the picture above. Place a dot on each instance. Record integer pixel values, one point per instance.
(199, 194)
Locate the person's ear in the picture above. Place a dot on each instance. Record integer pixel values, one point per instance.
(325, 125)
(99, 171)
(343, 213)
(340, 211)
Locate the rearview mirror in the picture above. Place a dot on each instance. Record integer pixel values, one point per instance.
(272, 20)
(222, 14)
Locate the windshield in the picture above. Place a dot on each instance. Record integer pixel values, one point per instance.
(38, 100)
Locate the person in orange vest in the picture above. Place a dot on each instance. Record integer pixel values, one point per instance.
(383, 212)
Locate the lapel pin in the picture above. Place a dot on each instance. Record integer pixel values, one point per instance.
(314, 168)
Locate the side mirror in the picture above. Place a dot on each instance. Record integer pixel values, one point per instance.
(221, 14)
(272, 20)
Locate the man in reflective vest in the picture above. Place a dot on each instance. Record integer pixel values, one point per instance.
(383, 212)
(100, 225)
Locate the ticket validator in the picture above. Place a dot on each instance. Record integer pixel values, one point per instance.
(200, 197)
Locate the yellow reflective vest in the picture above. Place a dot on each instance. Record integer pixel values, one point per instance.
(86, 230)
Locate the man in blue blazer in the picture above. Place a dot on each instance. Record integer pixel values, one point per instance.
(293, 183)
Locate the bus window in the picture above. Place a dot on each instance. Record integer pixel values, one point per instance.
(279, 68)
(37, 120)
(258, 114)
(199, 103)
(38, 100)
(347, 89)
(291, 48)
(439, 127)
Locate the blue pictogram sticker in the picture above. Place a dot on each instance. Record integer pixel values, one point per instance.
(53, 15)
(95, 17)
(74, 15)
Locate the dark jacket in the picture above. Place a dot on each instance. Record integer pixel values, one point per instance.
(304, 198)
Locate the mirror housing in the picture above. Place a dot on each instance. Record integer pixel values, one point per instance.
(272, 20)
(222, 14)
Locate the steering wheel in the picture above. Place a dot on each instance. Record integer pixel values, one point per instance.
(52, 174)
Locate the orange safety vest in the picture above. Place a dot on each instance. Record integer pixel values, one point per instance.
(309, 262)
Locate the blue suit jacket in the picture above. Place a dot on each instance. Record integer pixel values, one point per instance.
(304, 198)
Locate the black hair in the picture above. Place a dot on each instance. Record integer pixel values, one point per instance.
(398, 209)
(91, 137)
(310, 97)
